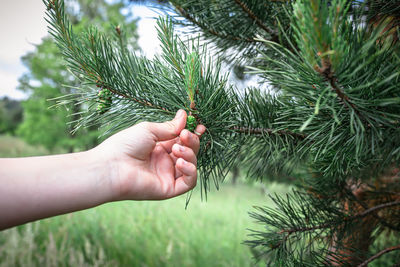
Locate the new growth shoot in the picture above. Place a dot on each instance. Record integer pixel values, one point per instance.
(192, 78)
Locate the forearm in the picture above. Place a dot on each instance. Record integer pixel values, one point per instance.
(39, 187)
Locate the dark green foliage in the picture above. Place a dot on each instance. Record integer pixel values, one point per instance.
(10, 115)
(230, 24)
(331, 125)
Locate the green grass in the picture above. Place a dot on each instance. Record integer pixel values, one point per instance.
(142, 233)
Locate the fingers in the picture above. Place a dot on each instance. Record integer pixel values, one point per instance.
(192, 140)
(188, 179)
(187, 148)
(200, 130)
(185, 153)
(168, 144)
(167, 130)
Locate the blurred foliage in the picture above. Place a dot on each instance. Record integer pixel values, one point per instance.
(48, 78)
(11, 146)
(10, 115)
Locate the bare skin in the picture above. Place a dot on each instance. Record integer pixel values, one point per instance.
(148, 161)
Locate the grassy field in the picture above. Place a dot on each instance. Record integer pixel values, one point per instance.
(11, 146)
(141, 233)
(158, 233)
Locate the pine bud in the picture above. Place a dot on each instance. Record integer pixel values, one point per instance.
(105, 100)
(104, 94)
(191, 123)
(103, 107)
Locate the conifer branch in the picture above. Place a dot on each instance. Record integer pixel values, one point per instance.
(59, 16)
(167, 40)
(327, 73)
(329, 224)
(380, 253)
(380, 219)
(376, 208)
(142, 102)
(209, 30)
(345, 219)
(258, 21)
(261, 131)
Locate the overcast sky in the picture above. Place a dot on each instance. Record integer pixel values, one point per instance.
(22, 26)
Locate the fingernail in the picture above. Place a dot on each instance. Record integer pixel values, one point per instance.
(183, 161)
(179, 114)
(181, 149)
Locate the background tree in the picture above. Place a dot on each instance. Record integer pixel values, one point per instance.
(48, 78)
(10, 115)
(331, 126)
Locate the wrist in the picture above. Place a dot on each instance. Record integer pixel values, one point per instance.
(105, 171)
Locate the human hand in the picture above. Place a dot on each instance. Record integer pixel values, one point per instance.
(152, 160)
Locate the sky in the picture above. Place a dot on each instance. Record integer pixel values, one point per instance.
(22, 26)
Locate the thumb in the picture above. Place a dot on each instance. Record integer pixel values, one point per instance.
(169, 129)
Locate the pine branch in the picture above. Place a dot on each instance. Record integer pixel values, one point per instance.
(209, 30)
(330, 224)
(380, 253)
(327, 73)
(250, 13)
(380, 219)
(376, 208)
(67, 36)
(63, 28)
(345, 220)
(261, 131)
(172, 52)
(142, 102)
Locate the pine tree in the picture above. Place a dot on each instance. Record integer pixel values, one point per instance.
(329, 123)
